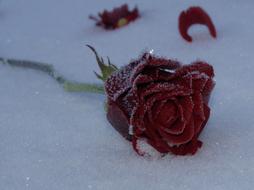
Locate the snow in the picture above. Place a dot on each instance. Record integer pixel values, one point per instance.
(52, 139)
(147, 150)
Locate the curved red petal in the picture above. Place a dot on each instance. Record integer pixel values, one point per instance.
(189, 148)
(167, 114)
(201, 67)
(194, 15)
(207, 90)
(207, 114)
(180, 139)
(186, 105)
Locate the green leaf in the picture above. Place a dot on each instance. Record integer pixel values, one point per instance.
(106, 69)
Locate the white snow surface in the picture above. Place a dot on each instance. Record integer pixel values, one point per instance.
(54, 140)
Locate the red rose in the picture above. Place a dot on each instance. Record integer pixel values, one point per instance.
(161, 102)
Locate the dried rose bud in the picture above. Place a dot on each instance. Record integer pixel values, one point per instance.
(116, 18)
(194, 15)
(160, 102)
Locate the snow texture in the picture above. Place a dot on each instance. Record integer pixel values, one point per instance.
(52, 139)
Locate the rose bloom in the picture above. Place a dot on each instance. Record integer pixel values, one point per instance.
(160, 102)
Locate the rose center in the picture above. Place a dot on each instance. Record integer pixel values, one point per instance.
(166, 114)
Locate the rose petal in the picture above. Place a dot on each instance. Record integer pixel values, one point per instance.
(118, 119)
(154, 110)
(207, 90)
(189, 148)
(127, 101)
(157, 87)
(148, 63)
(194, 15)
(199, 81)
(195, 67)
(207, 114)
(119, 82)
(183, 138)
(167, 113)
(165, 88)
(198, 111)
(186, 106)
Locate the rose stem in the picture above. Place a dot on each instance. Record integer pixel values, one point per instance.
(69, 86)
(83, 87)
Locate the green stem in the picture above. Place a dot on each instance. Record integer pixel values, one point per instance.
(83, 87)
(69, 86)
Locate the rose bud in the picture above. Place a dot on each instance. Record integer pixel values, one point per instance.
(160, 102)
(116, 18)
(194, 15)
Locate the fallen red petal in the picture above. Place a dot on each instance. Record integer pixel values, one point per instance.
(194, 15)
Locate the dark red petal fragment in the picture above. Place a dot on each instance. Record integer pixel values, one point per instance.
(116, 18)
(194, 15)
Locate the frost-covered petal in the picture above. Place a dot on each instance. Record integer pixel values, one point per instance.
(207, 114)
(167, 114)
(127, 101)
(195, 67)
(198, 111)
(119, 82)
(207, 90)
(148, 63)
(182, 138)
(185, 107)
(188, 148)
(199, 81)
